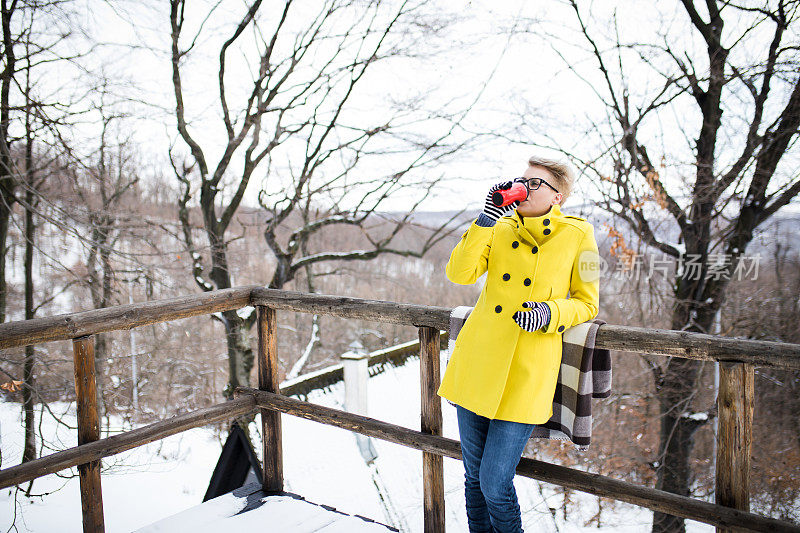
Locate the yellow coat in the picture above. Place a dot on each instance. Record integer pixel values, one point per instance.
(497, 369)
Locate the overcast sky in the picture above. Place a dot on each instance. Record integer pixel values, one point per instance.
(514, 45)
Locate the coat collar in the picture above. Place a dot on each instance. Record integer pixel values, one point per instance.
(539, 229)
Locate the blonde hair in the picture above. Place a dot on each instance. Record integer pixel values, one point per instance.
(563, 175)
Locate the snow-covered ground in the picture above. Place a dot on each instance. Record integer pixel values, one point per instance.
(321, 463)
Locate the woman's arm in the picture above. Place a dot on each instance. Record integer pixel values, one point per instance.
(470, 258)
(584, 289)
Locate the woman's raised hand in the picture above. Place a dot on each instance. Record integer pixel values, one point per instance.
(494, 212)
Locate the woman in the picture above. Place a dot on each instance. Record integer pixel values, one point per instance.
(502, 373)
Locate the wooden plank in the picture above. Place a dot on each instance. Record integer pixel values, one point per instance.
(431, 424)
(359, 308)
(88, 431)
(735, 436)
(94, 451)
(268, 381)
(657, 500)
(72, 325)
(699, 346)
(688, 345)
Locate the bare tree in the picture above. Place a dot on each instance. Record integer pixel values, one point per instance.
(8, 179)
(100, 187)
(28, 43)
(737, 168)
(32, 185)
(298, 126)
(33, 35)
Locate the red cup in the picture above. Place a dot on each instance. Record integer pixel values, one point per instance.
(518, 191)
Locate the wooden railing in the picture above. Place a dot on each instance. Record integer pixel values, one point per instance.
(738, 357)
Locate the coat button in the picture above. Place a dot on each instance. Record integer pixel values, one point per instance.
(527, 281)
(506, 277)
(546, 222)
(560, 329)
(514, 244)
(546, 231)
(534, 249)
(498, 309)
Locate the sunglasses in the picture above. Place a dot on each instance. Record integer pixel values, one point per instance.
(535, 183)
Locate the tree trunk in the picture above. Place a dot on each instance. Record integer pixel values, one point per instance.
(7, 178)
(100, 288)
(237, 329)
(677, 439)
(240, 353)
(29, 452)
(675, 390)
(5, 214)
(100, 363)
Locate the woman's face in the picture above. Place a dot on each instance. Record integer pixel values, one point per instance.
(542, 199)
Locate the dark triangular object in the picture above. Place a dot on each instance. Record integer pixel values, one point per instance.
(237, 465)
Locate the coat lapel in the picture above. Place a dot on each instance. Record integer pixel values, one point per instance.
(536, 231)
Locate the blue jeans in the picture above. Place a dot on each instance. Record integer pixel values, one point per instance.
(491, 450)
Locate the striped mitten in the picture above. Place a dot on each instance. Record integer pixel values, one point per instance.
(494, 212)
(536, 318)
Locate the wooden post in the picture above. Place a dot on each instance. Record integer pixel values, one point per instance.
(268, 381)
(355, 367)
(432, 464)
(88, 431)
(734, 439)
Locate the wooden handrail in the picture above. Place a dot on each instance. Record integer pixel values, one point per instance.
(119, 317)
(597, 484)
(685, 344)
(700, 346)
(247, 400)
(651, 341)
(359, 308)
(738, 356)
(128, 440)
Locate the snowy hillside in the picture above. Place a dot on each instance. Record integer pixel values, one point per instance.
(321, 463)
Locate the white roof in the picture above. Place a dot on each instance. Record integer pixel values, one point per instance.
(248, 509)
